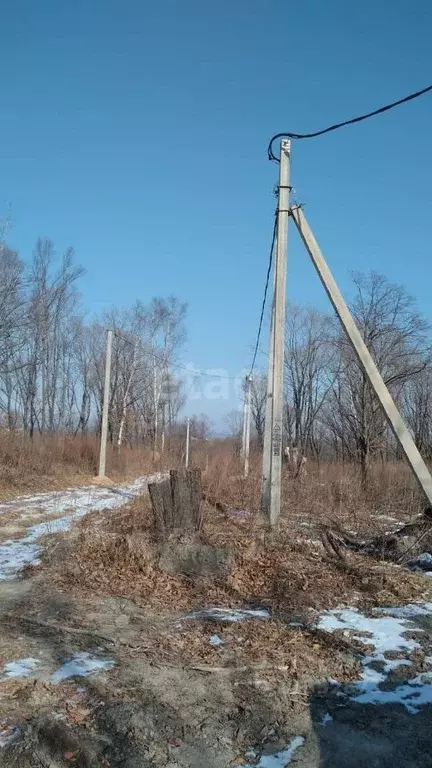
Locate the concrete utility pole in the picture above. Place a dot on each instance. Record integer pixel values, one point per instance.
(105, 407)
(246, 424)
(265, 491)
(272, 458)
(243, 448)
(187, 443)
(394, 418)
(164, 404)
(156, 408)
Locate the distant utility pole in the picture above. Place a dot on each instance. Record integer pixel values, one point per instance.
(364, 357)
(187, 443)
(243, 448)
(246, 424)
(156, 407)
(105, 407)
(164, 404)
(272, 454)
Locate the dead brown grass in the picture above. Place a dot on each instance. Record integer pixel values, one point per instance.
(59, 460)
(117, 554)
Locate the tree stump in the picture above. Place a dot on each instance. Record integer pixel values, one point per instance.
(177, 502)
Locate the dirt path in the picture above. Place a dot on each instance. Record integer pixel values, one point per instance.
(24, 520)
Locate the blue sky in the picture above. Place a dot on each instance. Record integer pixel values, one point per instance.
(137, 132)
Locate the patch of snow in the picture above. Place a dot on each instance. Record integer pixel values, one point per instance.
(386, 631)
(81, 665)
(410, 611)
(215, 640)
(228, 614)
(281, 759)
(15, 554)
(20, 668)
(422, 562)
(412, 695)
(326, 719)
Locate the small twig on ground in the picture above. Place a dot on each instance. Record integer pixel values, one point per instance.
(230, 670)
(56, 627)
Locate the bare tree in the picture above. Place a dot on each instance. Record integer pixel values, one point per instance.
(234, 422)
(201, 427)
(418, 409)
(397, 337)
(309, 374)
(258, 405)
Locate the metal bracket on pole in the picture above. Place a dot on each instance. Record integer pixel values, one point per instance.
(394, 418)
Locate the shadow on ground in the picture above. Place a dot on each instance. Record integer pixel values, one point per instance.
(353, 735)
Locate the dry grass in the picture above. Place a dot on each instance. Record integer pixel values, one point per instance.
(60, 460)
(117, 554)
(330, 490)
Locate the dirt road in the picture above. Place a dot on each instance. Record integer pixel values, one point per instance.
(24, 520)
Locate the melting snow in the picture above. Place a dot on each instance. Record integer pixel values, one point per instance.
(412, 694)
(17, 553)
(386, 632)
(229, 614)
(21, 668)
(281, 759)
(81, 665)
(422, 562)
(215, 640)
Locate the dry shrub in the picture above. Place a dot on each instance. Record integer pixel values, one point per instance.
(55, 460)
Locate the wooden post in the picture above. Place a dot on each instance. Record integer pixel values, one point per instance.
(394, 418)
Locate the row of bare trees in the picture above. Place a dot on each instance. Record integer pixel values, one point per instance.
(52, 364)
(52, 360)
(330, 408)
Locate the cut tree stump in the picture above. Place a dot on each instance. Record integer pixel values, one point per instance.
(176, 502)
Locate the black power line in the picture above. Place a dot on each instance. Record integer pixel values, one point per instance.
(265, 295)
(290, 135)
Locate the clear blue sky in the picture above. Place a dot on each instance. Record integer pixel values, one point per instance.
(136, 131)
